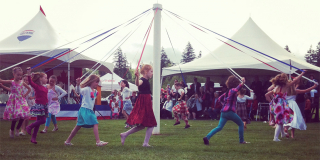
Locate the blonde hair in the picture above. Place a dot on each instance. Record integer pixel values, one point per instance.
(145, 68)
(278, 81)
(16, 69)
(36, 77)
(89, 80)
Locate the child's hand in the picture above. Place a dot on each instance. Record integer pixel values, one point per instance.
(29, 71)
(243, 80)
(78, 80)
(136, 72)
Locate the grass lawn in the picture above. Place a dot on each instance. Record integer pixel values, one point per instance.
(175, 142)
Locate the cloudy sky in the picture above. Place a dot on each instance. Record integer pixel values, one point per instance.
(288, 22)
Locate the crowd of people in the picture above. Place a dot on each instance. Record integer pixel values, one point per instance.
(290, 104)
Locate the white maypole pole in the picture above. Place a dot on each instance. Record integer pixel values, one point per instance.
(157, 8)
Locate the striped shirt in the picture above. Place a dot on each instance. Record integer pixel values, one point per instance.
(232, 98)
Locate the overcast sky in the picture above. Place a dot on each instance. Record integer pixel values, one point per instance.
(288, 22)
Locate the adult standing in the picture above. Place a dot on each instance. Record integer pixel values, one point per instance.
(195, 87)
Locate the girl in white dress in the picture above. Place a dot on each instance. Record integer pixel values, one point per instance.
(127, 105)
(298, 121)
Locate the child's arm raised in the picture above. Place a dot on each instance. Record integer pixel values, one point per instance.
(29, 90)
(5, 87)
(296, 79)
(30, 80)
(298, 91)
(137, 81)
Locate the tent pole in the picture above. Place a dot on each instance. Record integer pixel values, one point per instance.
(69, 101)
(156, 65)
(290, 70)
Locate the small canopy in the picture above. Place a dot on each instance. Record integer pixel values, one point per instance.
(250, 35)
(37, 37)
(109, 84)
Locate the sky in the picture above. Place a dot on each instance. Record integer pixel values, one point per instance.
(288, 22)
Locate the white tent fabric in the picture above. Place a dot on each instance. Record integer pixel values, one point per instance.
(250, 35)
(37, 37)
(109, 84)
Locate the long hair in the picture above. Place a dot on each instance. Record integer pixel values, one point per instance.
(278, 80)
(89, 80)
(36, 77)
(126, 83)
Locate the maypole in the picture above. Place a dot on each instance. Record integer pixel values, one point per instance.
(157, 8)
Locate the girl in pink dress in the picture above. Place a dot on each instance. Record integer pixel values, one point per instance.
(17, 108)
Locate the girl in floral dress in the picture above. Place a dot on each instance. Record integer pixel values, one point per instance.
(54, 94)
(279, 106)
(31, 102)
(17, 108)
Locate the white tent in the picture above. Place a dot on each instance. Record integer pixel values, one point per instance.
(36, 37)
(250, 35)
(109, 84)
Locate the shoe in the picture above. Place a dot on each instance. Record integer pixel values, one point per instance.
(194, 118)
(11, 134)
(177, 123)
(101, 143)
(127, 126)
(34, 142)
(187, 126)
(205, 141)
(276, 140)
(55, 129)
(22, 134)
(146, 145)
(244, 142)
(68, 144)
(43, 131)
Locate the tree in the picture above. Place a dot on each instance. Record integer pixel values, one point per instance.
(313, 56)
(121, 65)
(165, 61)
(199, 56)
(287, 48)
(188, 54)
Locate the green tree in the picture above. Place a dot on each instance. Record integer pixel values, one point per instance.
(121, 65)
(188, 54)
(287, 48)
(165, 61)
(313, 56)
(200, 54)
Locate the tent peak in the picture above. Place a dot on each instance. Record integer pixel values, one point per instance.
(42, 11)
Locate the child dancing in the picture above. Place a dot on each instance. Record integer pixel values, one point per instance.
(181, 106)
(228, 110)
(127, 105)
(31, 102)
(40, 109)
(142, 114)
(86, 117)
(279, 105)
(54, 94)
(17, 108)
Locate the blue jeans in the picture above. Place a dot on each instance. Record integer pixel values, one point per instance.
(225, 116)
(53, 117)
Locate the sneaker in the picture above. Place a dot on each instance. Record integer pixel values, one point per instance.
(177, 123)
(43, 131)
(187, 126)
(68, 144)
(194, 118)
(17, 134)
(205, 141)
(244, 142)
(22, 134)
(101, 143)
(11, 134)
(55, 129)
(276, 140)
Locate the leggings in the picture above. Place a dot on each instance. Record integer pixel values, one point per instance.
(53, 117)
(40, 120)
(13, 123)
(225, 116)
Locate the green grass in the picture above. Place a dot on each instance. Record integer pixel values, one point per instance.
(175, 142)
